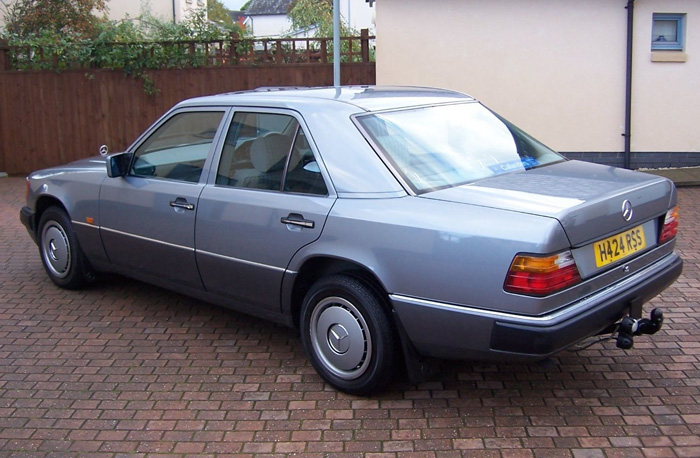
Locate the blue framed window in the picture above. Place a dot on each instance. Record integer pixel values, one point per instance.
(667, 32)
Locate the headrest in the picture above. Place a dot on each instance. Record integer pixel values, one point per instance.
(268, 152)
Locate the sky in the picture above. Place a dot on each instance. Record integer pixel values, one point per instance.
(233, 4)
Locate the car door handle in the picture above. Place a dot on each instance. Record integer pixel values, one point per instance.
(298, 220)
(181, 202)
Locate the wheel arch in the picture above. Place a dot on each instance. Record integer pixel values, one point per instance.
(43, 203)
(318, 267)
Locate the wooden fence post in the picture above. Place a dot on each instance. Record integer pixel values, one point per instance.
(4, 56)
(191, 49)
(364, 45)
(324, 51)
(278, 51)
(233, 52)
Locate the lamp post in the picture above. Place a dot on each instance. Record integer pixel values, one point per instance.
(336, 43)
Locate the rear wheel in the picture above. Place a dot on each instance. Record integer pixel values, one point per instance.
(60, 253)
(348, 335)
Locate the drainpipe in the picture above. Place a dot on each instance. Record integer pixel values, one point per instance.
(174, 12)
(628, 83)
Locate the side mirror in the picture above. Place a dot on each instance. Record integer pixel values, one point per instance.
(118, 164)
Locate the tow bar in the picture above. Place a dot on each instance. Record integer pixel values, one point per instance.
(630, 327)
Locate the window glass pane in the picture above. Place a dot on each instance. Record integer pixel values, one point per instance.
(256, 150)
(177, 149)
(442, 146)
(665, 31)
(304, 174)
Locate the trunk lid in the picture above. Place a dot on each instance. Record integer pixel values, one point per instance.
(587, 199)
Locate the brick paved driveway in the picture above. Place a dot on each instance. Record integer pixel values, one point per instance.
(126, 369)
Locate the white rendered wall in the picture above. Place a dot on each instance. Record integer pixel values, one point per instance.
(555, 68)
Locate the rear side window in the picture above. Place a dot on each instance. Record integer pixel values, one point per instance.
(177, 149)
(269, 151)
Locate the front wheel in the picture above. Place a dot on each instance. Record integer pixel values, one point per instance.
(60, 253)
(348, 335)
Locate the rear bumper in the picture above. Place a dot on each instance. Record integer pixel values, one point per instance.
(457, 332)
(28, 219)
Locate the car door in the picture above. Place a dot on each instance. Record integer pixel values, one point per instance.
(269, 198)
(147, 217)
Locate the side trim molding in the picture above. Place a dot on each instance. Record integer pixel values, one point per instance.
(147, 239)
(555, 316)
(80, 223)
(244, 261)
(206, 253)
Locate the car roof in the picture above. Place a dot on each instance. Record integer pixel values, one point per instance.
(365, 98)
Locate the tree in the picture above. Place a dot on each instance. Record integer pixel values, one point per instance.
(68, 18)
(318, 14)
(218, 13)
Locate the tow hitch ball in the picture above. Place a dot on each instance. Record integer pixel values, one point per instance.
(630, 327)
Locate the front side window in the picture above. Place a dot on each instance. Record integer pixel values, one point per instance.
(269, 151)
(667, 32)
(448, 145)
(178, 148)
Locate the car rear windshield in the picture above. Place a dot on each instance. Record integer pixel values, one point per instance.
(443, 146)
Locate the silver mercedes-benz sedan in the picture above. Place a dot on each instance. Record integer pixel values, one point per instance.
(390, 226)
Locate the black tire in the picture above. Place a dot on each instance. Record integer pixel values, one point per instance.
(348, 335)
(60, 252)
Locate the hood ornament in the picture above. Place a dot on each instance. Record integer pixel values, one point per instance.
(104, 150)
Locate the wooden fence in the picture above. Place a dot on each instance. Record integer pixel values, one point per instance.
(49, 118)
(184, 54)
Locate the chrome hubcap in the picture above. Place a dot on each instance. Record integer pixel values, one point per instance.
(56, 249)
(340, 337)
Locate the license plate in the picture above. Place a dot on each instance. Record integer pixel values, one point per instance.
(619, 246)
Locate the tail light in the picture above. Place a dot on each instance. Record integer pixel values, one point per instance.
(670, 228)
(542, 275)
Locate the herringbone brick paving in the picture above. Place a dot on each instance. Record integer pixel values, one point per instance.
(124, 369)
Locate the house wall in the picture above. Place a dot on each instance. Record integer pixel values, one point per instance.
(357, 14)
(666, 103)
(273, 25)
(3, 6)
(119, 9)
(557, 69)
(162, 9)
